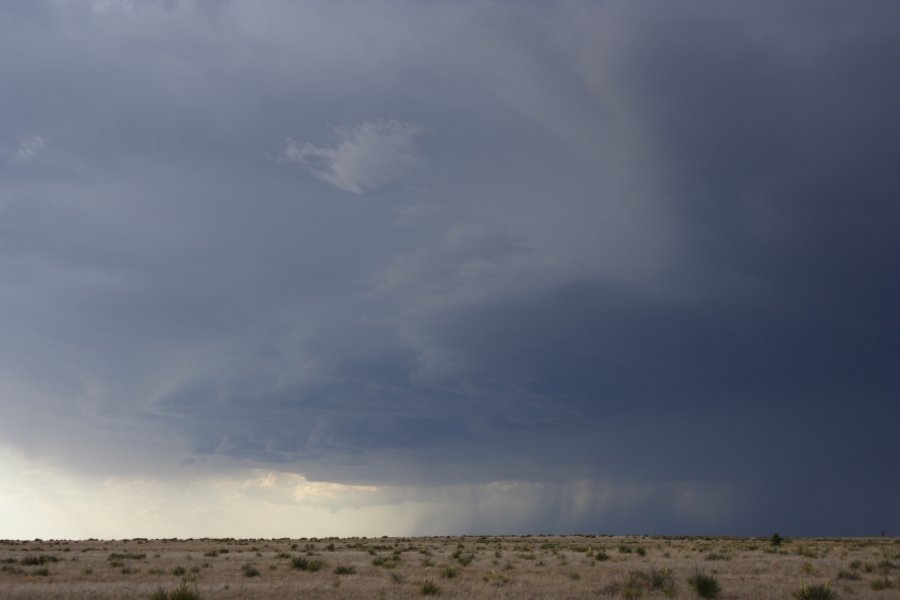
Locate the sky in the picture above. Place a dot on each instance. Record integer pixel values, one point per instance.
(397, 267)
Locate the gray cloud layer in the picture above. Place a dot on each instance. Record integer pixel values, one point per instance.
(640, 243)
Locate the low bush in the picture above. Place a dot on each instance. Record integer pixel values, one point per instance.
(814, 592)
(126, 555)
(851, 575)
(429, 588)
(180, 593)
(306, 564)
(882, 584)
(344, 570)
(705, 586)
(33, 560)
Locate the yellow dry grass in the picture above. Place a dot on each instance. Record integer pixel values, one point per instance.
(461, 567)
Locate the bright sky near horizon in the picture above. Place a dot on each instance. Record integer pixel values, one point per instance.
(397, 267)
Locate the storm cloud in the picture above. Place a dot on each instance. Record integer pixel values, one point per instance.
(615, 266)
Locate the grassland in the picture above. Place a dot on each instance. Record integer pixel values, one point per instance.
(453, 567)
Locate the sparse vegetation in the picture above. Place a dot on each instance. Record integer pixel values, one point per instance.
(429, 588)
(882, 584)
(306, 564)
(115, 556)
(38, 560)
(705, 586)
(180, 593)
(819, 591)
(344, 570)
(465, 567)
(851, 575)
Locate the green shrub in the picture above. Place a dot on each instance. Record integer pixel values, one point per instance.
(851, 575)
(634, 586)
(250, 570)
(814, 592)
(180, 593)
(449, 573)
(33, 560)
(184, 593)
(178, 571)
(807, 552)
(127, 555)
(429, 588)
(159, 594)
(639, 582)
(344, 570)
(388, 562)
(660, 579)
(306, 564)
(776, 539)
(705, 586)
(882, 584)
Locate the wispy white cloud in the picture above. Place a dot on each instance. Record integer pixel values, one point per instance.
(27, 149)
(365, 158)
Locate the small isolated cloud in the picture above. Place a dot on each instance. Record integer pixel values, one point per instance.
(365, 158)
(27, 149)
(293, 488)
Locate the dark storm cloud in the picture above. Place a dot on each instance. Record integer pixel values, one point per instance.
(403, 243)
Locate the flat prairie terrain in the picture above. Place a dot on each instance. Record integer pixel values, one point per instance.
(449, 567)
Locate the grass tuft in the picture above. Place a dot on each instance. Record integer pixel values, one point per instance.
(306, 564)
(429, 588)
(344, 570)
(882, 584)
(705, 586)
(180, 593)
(815, 592)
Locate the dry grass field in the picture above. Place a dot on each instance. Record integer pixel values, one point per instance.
(453, 567)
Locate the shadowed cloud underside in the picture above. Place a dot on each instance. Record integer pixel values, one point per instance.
(409, 267)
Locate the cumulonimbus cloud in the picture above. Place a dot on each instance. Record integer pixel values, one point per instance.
(365, 157)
